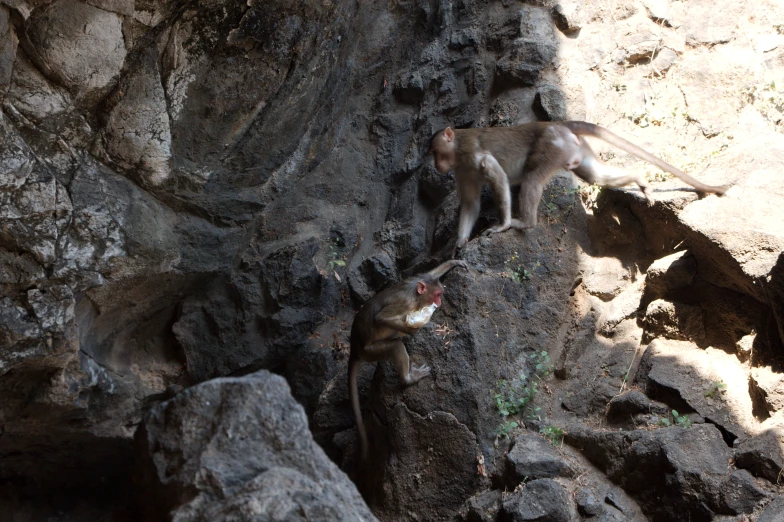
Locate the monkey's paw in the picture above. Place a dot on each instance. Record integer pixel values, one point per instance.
(418, 373)
(496, 229)
(462, 264)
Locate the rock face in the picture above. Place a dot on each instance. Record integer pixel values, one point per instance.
(239, 449)
(195, 190)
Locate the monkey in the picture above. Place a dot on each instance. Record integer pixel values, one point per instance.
(529, 155)
(375, 333)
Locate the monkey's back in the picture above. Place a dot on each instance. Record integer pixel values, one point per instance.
(508, 145)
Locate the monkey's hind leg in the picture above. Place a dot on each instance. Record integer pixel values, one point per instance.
(409, 373)
(594, 170)
(469, 212)
(394, 350)
(530, 195)
(496, 177)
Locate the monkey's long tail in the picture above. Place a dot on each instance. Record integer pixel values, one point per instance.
(585, 128)
(353, 367)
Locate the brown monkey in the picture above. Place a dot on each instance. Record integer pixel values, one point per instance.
(375, 335)
(529, 155)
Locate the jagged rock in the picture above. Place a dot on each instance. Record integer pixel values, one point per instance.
(767, 388)
(677, 321)
(669, 274)
(531, 52)
(744, 346)
(8, 43)
(19, 269)
(705, 25)
(657, 9)
(606, 509)
(542, 500)
(567, 16)
(137, 134)
(668, 372)
(483, 507)
(590, 399)
(422, 447)
(32, 94)
(605, 277)
(550, 103)
(626, 304)
(523, 63)
(372, 275)
(686, 468)
(31, 200)
(740, 494)
(240, 447)
(774, 511)
(663, 60)
(631, 403)
(587, 503)
(532, 457)
(763, 455)
(638, 41)
(463, 38)
(409, 89)
(80, 45)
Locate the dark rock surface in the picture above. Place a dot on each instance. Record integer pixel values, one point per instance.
(542, 499)
(239, 448)
(664, 468)
(532, 457)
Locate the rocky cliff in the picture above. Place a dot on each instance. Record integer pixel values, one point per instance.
(192, 190)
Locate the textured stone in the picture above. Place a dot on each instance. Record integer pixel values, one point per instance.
(763, 454)
(201, 446)
(137, 134)
(80, 45)
(532, 457)
(677, 321)
(540, 500)
(669, 274)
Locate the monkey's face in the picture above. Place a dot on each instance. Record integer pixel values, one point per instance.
(429, 294)
(442, 147)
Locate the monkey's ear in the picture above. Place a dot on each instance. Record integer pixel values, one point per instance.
(449, 134)
(421, 287)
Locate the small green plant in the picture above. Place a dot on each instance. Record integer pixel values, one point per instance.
(334, 256)
(541, 361)
(514, 397)
(681, 420)
(506, 428)
(553, 433)
(517, 272)
(716, 389)
(550, 208)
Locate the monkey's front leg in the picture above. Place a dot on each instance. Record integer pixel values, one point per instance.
(445, 267)
(495, 176)
(469, 212)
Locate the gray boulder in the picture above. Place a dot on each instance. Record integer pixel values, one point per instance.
(240, 449)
